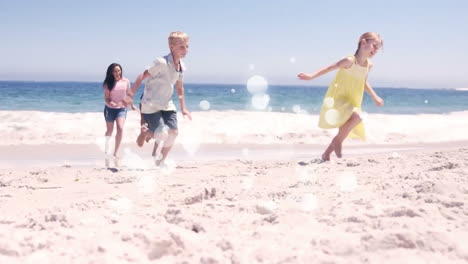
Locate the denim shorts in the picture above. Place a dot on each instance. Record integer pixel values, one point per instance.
(154, 120)
(111, 114)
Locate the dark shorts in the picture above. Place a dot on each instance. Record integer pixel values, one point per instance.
(154, 120)
(111, 114)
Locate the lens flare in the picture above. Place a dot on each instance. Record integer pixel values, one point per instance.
(304, 174)
(168, 166)
(247, 182)
(329, 102)
(296, 109)
(146, 184)
(309, 202)
(120, 205)
(133, 161)
(260, 101)
(332, 117)
(204, 105)
(245, 152)
(346, 182)
(257, 85)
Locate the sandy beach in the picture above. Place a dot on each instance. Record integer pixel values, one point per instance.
(399, 198)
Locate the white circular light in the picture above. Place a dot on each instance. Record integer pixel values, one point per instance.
(346, 182)
(329, 102)
(205, 105)
(309, 202)
(257, 84)
(260, 101)
(332, 117)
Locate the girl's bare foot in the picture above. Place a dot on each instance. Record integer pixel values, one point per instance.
(326, 156)
(338, 149)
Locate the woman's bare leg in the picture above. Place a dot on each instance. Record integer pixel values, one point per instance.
(118, 137)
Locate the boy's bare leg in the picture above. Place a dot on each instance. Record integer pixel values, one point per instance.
(154, 154)
(143, 128)
(172, 134)
(141, 137)
(145, 135)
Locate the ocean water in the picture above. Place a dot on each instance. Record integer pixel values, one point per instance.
(80, 97)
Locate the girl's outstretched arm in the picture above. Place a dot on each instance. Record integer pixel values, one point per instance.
(343, 63)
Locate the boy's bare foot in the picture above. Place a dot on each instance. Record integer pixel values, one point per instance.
(158, 162)
(142, 137)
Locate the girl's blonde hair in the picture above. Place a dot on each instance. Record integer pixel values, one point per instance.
(177, 35)
(368, 36)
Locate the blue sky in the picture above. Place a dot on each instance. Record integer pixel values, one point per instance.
(425, 42)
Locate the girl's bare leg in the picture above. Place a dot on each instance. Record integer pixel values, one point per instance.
(337, 142)
(329, 150)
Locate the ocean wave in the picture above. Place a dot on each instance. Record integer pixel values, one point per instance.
(232, 127)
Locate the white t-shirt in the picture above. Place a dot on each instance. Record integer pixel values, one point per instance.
(159, 88)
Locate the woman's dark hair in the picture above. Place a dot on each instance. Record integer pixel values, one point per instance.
(110, 80)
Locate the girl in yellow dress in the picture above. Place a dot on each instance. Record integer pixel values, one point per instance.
(342, 104)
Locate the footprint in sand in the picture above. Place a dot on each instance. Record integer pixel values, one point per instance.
(447, 166)
(402, 212)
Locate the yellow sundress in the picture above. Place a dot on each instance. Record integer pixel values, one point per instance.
(343, 97)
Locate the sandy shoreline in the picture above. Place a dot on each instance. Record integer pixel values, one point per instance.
(241, 188)
(376, 208)
(89, 155)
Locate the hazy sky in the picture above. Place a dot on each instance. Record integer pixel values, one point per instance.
(425, 42)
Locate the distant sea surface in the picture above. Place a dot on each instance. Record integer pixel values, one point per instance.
(78, 97)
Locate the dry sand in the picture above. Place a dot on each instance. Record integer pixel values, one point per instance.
(406, 207)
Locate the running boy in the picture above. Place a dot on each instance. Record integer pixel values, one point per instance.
(156, 103)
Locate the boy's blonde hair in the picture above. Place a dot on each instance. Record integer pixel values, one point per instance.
(177, 35)
(368, 36)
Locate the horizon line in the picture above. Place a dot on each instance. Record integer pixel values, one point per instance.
(270, 84)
